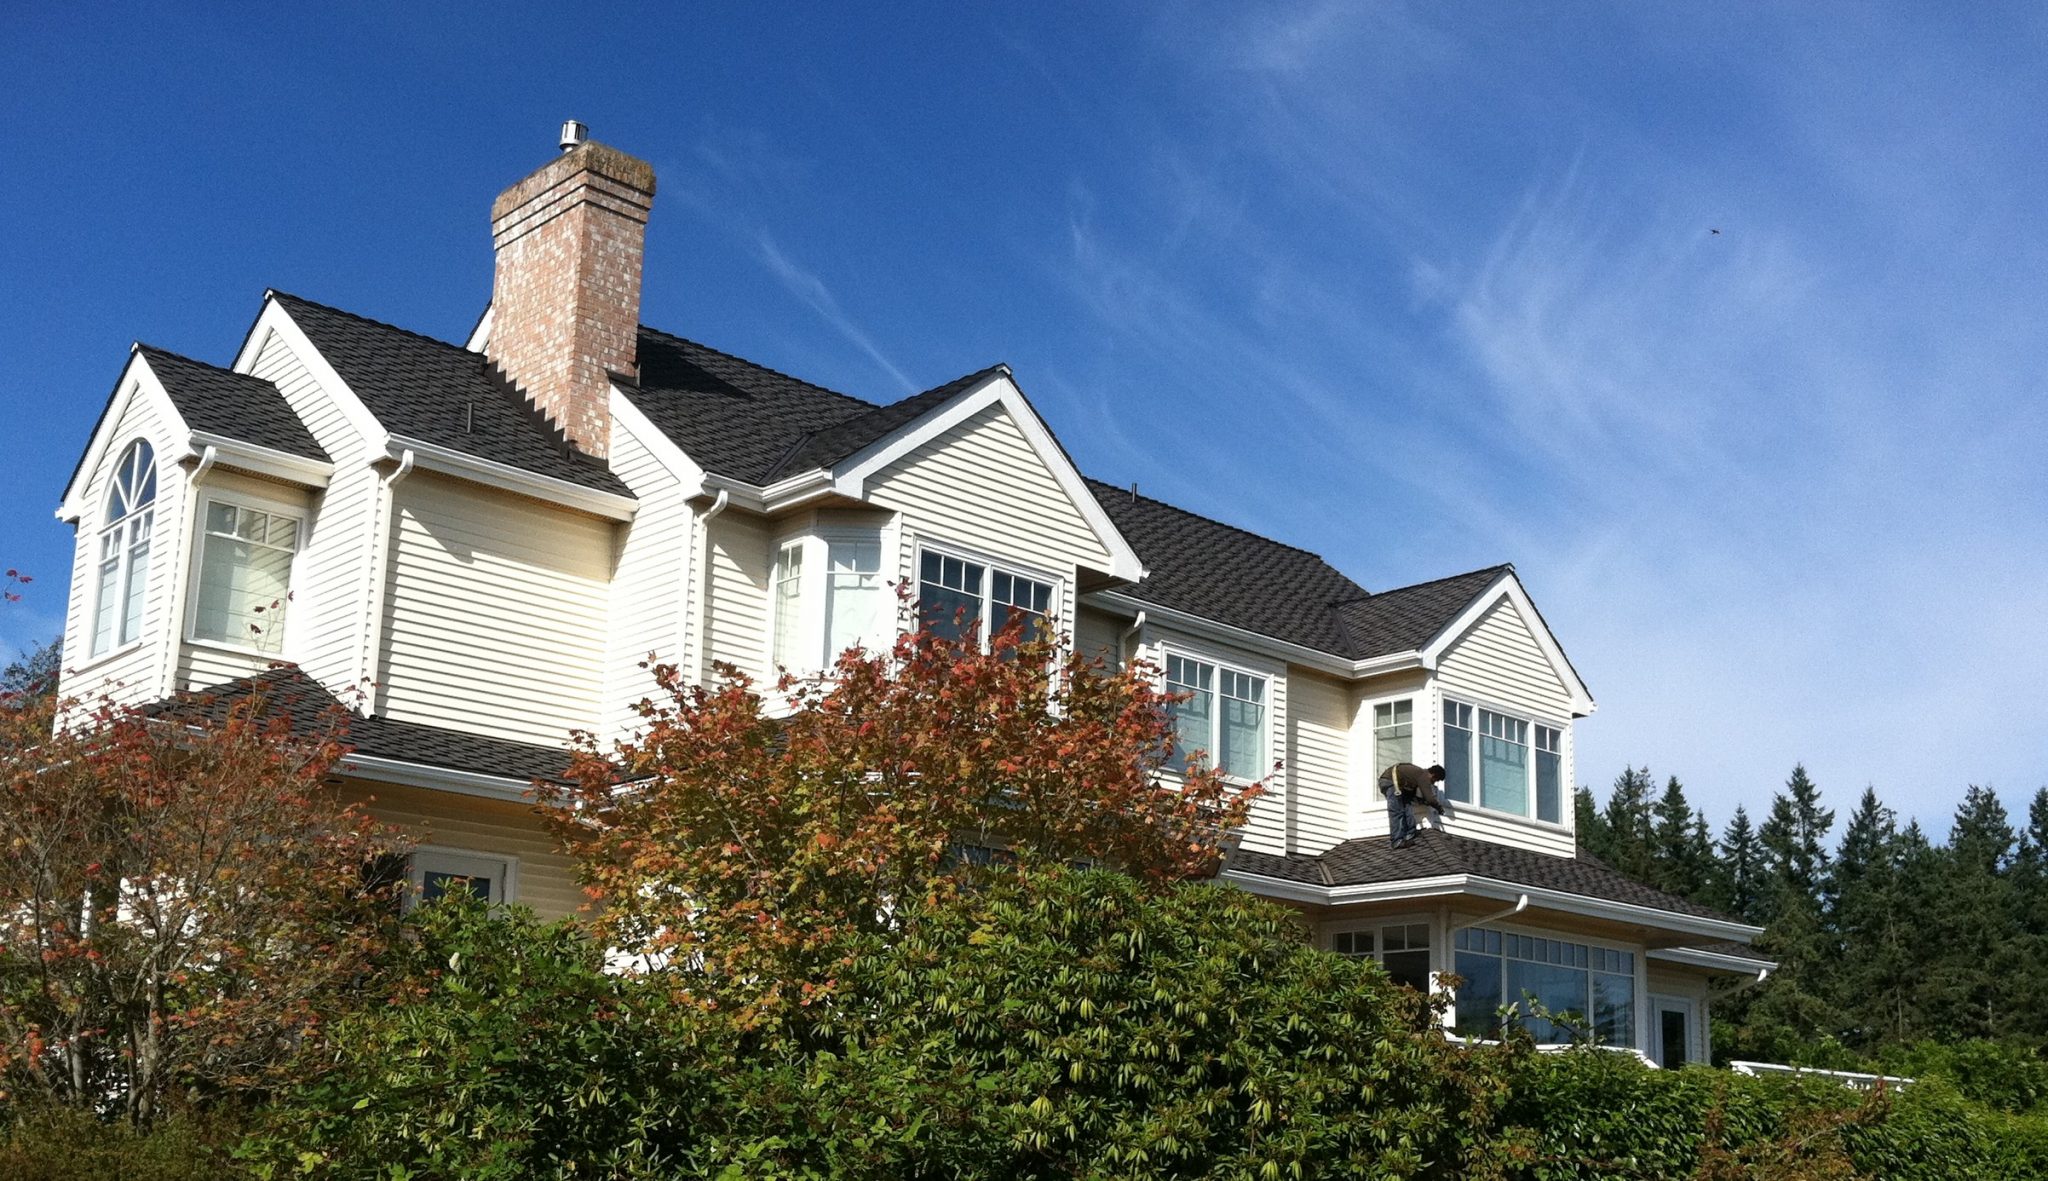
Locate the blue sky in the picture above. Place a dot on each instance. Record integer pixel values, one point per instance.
(1422, 289)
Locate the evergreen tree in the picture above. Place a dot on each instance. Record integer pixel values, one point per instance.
(1630, 828)
(1971, 985)
(1791, 1017)
(1872, 977)
(1699, 851)
(1794, 837)
(1741, 879)
(2030, 907)
(1592, 827)
(1678, 870)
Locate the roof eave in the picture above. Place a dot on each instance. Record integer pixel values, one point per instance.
(1293, 653)
(490, 473)
(266, 461)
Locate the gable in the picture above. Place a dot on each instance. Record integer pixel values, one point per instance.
(981, 483)
(1499, 659)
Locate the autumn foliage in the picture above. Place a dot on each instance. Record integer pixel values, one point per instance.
(750, 844)
(181, 900)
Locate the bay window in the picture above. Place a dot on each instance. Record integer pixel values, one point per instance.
(1587, 991)
(970, 601)
(1401, 948)
(828, 593)
(123, 553)
(1223, 714)
(1507, 763)
(245, 574)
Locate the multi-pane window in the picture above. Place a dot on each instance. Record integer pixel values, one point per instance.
(828, 594)
(1223, 714)
(789, 602)
(1503, 763)
(856, 599)
(1587, 991)
(123, 554)
(1393, 734)
(1507, 763)
(437, 873)
(1550, 774)
(245, 576)
(965, 600)
(1401, 948)
(1458, 751)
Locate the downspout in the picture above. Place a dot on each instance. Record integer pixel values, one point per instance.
(1521, 904)
(181, 578)
(372, 611)
(1137, 628)
(700, 615)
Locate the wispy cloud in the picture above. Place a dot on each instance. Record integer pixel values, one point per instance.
(819, 298)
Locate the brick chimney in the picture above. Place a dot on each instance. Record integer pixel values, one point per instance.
(565, 305)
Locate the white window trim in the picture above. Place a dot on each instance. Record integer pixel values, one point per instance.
(1694, 1028)
(1639, 973)
(1564, 764)
(422, 857)
(992, 564)
(1336, 927)
(195, 555)
(812, 625)
(125, 569)
(1272, 674)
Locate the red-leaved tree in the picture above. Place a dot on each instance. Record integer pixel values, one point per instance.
(742, 846)
(181, 899)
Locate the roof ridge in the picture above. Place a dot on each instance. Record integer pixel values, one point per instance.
(1393, 590)
(328, 307)
(145, 346)
(1221, 524)
(698, 344)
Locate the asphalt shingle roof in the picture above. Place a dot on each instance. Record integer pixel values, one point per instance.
(1408, 617)
(841, 440)
(311, 710)
(442, 394)
(232, 405)
(1436, 853)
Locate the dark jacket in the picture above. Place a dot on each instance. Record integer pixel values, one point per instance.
(1414, 782)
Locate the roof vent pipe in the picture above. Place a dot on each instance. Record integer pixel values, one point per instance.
(573, 134)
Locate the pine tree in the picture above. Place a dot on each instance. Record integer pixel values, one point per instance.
(1970, 986)
(2030, 906)
(1742, 870)
(1791, 1017)
(1592, 827)
(1872, 976)
(1630, 829)
(1794, 838)
(1678, 871)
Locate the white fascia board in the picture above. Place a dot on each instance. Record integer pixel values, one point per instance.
(268, 461)
(850, 475)
(1131, 606)
(137, 380)
(1693, 957)
(1509, 587)
(480, 336)
(407, 774)
(664, 450)
(794, 492)
(274, 319)
(1483, 887)
(492, 474)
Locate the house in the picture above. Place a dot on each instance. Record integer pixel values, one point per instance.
(474, 546)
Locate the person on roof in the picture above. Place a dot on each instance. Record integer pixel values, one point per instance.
(1407, 785)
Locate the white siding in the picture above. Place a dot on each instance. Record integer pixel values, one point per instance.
(1097, 634)
(1318, 762)
(331, 598)
(1267, 830)
(651, 572)
(494, 613)
(1498, 661)
(982, 486)
(134, 674)
(739, 558)
(546, 878)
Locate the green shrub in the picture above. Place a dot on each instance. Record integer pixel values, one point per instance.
(2001, 1075)
(64, 1144)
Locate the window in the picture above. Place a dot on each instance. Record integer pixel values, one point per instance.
(1393, 734)
(1458, 751)
(245, 576)
(1589, 991)
(1401, 948)
(436, 873)
(124, 550)
(1508, 763)
(1224, 715)
(828, 594)
(963, 600)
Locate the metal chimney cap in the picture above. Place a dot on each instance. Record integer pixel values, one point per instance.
(573, 134)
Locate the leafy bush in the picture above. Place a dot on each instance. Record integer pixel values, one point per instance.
(50, 1143)
(506, 1052)
(2001, 1075)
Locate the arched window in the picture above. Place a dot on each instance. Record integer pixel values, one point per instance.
(124, 549)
